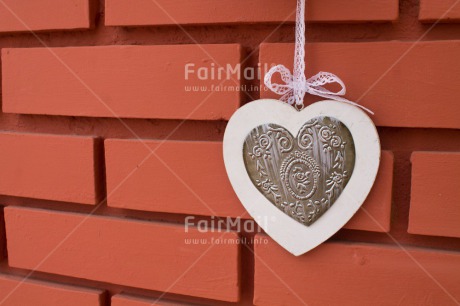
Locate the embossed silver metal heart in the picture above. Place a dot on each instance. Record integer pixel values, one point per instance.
(303, 176)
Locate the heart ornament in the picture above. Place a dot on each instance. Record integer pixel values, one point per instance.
(303, 174)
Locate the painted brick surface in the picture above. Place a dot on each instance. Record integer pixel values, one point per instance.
(138, 254)
(178, 177)
(439, 11)
(2, 236)
(378, 76)
(50, 167)
(169, 12)
(16, 292)
(435, 194)
(375, 274)
(375, 214)
(121, 81)
(126, 300)
(38, 15)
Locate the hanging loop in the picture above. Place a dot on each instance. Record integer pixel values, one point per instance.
(294, 86)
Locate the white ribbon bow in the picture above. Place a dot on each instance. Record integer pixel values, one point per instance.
(293, 91)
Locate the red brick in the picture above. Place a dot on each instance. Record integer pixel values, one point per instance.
(435, 194)
(375, 214)
(50, 167)
(439, 10)
(355, 274)
(2, 236)
(406, 95)
(120, 81)
(179, 177)
(139, 254)
(164, 12)
(38, 15)
(16, 291)
(126, 300)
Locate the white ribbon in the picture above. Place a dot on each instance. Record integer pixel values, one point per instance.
(295, 86)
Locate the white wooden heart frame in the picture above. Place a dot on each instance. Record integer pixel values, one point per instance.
(290, 234)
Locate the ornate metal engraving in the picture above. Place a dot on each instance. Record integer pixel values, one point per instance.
(302, 176)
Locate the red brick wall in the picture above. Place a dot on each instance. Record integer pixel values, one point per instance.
(104, 154)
